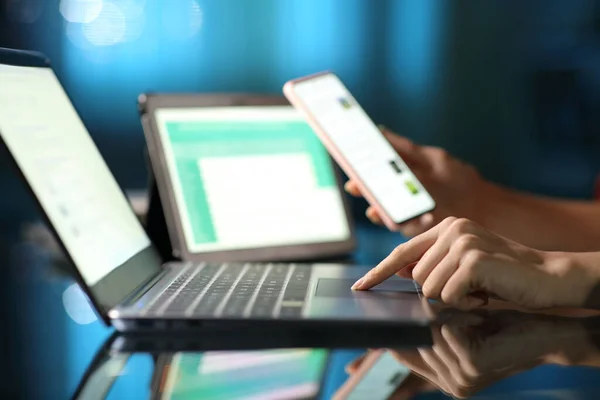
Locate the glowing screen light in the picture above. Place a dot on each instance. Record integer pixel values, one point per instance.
(80, 11)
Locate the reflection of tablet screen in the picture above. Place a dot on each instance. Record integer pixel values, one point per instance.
(268, 374)
(250, 177)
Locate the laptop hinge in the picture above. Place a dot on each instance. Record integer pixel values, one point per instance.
(143, 288)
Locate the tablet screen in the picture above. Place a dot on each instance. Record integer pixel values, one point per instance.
(250, 177)
(267, 374)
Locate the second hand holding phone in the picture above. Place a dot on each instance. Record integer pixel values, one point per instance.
(360, 148)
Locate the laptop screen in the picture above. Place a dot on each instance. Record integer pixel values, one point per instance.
(250, 177)
(66, 172)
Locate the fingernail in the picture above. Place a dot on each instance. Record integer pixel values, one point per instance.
(382, 127)
(358, 284)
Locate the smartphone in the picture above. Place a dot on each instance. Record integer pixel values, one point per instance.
(377, 378)
(359, 147)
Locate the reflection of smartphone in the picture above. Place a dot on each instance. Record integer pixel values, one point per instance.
(377, 378)
(265, 374)
(359, 147)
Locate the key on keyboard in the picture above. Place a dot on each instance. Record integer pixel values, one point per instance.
(192, 289)
(170, 291)
(269, 292)
(217, 291)
(243, 291)
(189, 292)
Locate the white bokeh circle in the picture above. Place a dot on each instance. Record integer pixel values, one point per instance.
(80, 11)
(108, 28)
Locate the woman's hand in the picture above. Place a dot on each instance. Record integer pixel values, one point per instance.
(457, 188)
(461, 264)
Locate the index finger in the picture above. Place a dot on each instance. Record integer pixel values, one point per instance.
(404, 255)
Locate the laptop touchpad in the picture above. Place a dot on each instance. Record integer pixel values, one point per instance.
(328, 287)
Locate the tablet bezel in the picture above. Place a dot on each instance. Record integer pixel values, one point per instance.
(148, 104)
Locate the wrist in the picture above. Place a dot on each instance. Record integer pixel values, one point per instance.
(575, 282)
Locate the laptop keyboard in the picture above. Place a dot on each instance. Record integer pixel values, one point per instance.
(235, 291)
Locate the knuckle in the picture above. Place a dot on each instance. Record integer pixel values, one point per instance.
(471, 265)
(461, 225)
(440, 153)
(398, 250)
(436, 153)
(447, 222)
(463, 380)
(418, 275)
(448, 297)
(473, 258)
(466, 242)
(428, 291)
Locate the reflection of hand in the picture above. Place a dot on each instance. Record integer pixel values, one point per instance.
(471, 353)
(457, 188)
(458, 262)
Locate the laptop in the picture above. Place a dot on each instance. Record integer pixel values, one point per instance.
(228, 164)
(116, 264)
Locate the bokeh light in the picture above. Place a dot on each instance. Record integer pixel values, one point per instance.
(80, 11)
(108, 28)
(132, 8)
(24, 11)
(119, 21)
(75, 35)
(135, 18)
(77, 306)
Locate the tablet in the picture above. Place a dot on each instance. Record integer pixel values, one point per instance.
(293, 374)
(244, 178)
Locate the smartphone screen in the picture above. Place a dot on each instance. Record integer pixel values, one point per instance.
(349, 132)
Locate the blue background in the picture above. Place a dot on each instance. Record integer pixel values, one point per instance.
(511, 86)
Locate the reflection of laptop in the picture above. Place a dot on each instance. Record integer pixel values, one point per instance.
(286, 373)
(116, 264)
(190, 365)
(243, 178)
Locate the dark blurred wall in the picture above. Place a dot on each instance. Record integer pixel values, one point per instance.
(510, 85)
(521, 96)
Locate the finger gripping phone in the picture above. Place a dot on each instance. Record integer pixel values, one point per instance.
(359, 147)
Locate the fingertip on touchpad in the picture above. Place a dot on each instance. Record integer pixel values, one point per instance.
(331, 287)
